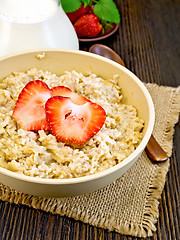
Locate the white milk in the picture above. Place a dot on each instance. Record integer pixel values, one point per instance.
(34, 24)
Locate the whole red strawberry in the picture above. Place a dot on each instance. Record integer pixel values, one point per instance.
(73, 16)
(88, 25)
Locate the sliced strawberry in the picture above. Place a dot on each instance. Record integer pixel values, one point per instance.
(71, 123)
(29, 111)
(66, 92)
(60, 91)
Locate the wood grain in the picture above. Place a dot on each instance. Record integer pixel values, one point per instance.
(148, 40)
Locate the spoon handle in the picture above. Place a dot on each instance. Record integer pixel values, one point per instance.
(153, 149)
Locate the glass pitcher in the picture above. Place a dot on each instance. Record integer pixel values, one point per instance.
(34, 24)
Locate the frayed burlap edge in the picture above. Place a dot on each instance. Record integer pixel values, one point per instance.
(151, 212)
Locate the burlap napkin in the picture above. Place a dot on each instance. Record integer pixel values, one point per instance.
(130, 204)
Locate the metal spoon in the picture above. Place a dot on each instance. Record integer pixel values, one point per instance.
(153, 149)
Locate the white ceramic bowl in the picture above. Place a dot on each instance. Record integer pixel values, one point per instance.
(134, 93)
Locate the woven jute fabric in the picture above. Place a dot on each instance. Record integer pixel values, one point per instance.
(130, 204)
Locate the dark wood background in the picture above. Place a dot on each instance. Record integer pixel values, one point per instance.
(148, 40)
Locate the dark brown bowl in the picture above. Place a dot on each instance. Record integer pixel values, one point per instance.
(107, 33)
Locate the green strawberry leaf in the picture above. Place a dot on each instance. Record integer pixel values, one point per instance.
(107, 10)
(87, 2)
(70, 5)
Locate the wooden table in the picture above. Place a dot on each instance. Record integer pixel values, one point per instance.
(148, 40)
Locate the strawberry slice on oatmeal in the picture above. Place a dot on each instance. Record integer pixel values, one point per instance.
(72, 123)
(72, 118)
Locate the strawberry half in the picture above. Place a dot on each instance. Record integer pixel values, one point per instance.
(29, 111)
(72, 123)
(66, 92)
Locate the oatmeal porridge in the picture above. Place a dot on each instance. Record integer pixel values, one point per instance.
(39, 154)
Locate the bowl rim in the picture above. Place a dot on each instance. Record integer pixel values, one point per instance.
(131, 157)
